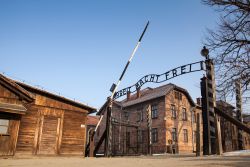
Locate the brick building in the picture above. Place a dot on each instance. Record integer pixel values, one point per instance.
(173, 115)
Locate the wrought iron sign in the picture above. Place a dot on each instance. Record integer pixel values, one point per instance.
(158, 78)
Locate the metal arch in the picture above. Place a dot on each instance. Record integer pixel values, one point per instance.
(159, 78)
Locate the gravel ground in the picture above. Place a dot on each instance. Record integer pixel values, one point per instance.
(140, 161)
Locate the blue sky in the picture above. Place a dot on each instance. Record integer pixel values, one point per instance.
(79, 48)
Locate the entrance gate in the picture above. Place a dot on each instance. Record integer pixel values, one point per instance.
(211, 122)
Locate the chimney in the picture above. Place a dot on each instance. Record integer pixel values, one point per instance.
(198, 101)
(128, 95)
(138, 93)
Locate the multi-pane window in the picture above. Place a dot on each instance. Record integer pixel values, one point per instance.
(126, 115)
(154, 111)
(154, 135)
(173, 111)
(139, 137)
(139, 115)
(174, 134)
(4, 125)
(128, 139)
(194, 135)
(185, 135)
(193, 117)
(178, 95)
(184, 114)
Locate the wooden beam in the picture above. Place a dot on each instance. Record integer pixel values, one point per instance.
(100, 142)
(234, 121)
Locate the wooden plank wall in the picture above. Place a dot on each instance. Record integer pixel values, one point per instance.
(74, 136)
(27, 131)
(50, 126)
(64, 135)
(7, 96)
(49, 138)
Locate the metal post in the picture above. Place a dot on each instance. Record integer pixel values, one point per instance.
(239, 112)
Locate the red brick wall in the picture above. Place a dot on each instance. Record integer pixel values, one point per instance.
(164, 124)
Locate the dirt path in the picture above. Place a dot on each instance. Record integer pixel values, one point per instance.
(156, 161)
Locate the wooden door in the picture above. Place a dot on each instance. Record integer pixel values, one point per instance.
(49, 135)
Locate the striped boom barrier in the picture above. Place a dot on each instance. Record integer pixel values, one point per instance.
(113, 89)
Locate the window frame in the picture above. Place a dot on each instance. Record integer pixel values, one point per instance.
(173, 111)
(154, 135)
(139, 136)
(140, 115)
(194, 135)
(126, 115)
(185, 135)
(154, 111)
(184, 114)
(174, 134)
(5, 126)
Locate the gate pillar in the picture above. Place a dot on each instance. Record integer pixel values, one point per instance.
(211, 121)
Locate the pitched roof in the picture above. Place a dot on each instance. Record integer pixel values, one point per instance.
(153, 93)
(149, 94)
(57, 97)
(26, 91)
(92, 120)
(224, 104)
(15, 88)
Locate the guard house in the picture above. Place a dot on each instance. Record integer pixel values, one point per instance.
(34, 121)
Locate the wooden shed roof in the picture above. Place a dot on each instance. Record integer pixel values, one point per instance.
(56, 97)
(26, 92)
(12, 108)
(15, 88)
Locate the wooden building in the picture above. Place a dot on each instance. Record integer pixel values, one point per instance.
(173, 115)
(246, 136)
(34, 121)
(229, 132)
